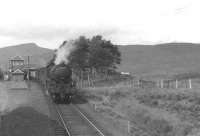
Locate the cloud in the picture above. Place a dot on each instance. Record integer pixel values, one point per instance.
(50, 33)
(34, 32)
(53, 36)
(127, 22)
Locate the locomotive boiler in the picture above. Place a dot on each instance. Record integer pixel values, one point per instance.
(58, 81)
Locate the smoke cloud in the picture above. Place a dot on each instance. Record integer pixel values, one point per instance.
(64, 51)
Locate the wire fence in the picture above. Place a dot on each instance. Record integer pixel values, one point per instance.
(141, 83)
(169, 84)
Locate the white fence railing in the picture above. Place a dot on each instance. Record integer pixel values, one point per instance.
(140, 83)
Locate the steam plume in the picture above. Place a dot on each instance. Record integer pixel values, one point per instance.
(64, 51)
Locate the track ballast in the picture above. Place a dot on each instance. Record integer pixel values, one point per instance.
(76, 123)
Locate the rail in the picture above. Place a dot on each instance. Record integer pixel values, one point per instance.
(76, 122)
(62, 121)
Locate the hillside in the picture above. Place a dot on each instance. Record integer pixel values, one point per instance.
(38, 55)
(162, 59)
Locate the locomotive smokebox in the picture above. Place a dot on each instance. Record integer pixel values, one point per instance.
(61, 72)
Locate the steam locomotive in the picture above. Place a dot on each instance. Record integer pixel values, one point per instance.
(57, 79)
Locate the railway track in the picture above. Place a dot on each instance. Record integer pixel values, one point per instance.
(77, 123)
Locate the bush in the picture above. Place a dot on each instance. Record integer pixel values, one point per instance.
(157, 123)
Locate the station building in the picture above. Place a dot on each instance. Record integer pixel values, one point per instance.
(19, 70)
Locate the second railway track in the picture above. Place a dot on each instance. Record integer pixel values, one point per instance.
(77, 123)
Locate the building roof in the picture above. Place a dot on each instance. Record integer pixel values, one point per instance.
(17, 58)
(24, 67)
(18, 71)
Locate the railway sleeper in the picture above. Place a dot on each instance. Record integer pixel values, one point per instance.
(59, 131)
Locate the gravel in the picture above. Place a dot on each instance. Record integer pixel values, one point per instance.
(26, 121)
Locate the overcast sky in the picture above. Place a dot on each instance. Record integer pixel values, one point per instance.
(49, 22)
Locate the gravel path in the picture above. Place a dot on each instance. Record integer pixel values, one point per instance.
(25, 111)
(11, 99)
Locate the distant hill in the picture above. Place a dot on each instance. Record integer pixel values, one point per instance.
(38, 55)
(162, 59)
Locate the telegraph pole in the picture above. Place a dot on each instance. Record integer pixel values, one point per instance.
(28, 73)
(28, 69)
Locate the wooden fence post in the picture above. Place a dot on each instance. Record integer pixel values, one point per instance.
(186, 86)
(161, 84)
(128, 127)
(190, 84)
(89, 79)
(176, 83)
(138, 83)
